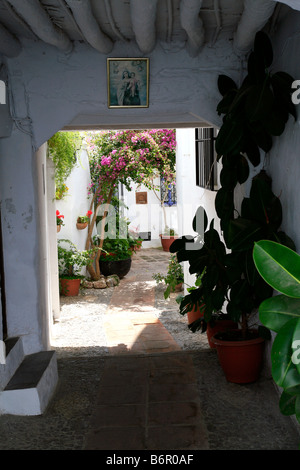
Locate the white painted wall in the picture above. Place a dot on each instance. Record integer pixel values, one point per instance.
(190, 196)
(283, 162)
(76, 203)
(149, 217)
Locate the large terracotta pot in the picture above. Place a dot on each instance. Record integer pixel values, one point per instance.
(120, 268)
(219, 325)
(167, 242)
(241, 360)
(69, 287)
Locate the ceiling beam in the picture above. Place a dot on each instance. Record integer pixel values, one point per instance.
(291, 3)
(193, 25)
(82, 12)
(143, 16)
(39, 21)
(254, 17)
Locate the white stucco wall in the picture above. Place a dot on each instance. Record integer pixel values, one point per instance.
(76, 203)
(190, 196)
(283, 162)
(149, 217)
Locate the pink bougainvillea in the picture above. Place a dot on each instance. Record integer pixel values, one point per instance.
(130, 156)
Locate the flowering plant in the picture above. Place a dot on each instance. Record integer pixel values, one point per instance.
(61, 191)
(82, 219)
(125, 157)
(59, 218)
(71, 260)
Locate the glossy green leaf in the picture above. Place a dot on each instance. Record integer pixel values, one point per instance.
(276, 311)
(242, 169)
(287, 403)
(263, 48)
(225, 84)
(279, 266)
(242, 233)
(229, 137)
(259, 103)
(285, 369)
(224, 203)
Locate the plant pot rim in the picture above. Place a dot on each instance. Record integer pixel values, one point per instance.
(70, 278)
(238, 341)
(113, 260)
(167, 236)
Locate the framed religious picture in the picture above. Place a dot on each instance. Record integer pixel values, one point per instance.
(128, 83)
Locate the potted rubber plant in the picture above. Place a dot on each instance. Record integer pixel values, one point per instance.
(260, 218)
(173, 279)
(70, 262)
(279, 266)
(229, 278)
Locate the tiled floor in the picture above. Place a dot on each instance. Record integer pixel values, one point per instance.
(148, 395)
(148, 402)
(130, 325)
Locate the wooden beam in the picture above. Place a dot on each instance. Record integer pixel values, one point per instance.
(143, 17)
(89, 27)
(39, 21)
(193, 25)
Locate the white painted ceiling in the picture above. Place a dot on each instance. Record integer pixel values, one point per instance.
(102, 23)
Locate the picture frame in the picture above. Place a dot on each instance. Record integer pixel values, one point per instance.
(128, 82)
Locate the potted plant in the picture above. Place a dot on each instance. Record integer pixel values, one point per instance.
(279, 266)
(116, 256)
(59, 220)
(229, 276)
(70, 262)
(167, 238)
(83, 220)
(173, 279)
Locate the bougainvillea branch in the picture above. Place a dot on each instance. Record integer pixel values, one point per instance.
(126, 157)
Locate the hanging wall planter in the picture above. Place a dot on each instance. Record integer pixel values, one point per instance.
(81, 226)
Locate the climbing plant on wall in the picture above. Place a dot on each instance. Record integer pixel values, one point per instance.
(62, 148)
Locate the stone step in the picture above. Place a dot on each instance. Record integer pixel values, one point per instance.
(14, 355)
(29, 390)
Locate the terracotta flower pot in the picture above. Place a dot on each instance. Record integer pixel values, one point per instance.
(178, 287)
(241, 360)
(69, 287)
(195, 314)
(58, 227)
(220, 325)
(167, 242)
(81, 226)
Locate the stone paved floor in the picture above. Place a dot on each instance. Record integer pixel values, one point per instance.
(146, 389)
